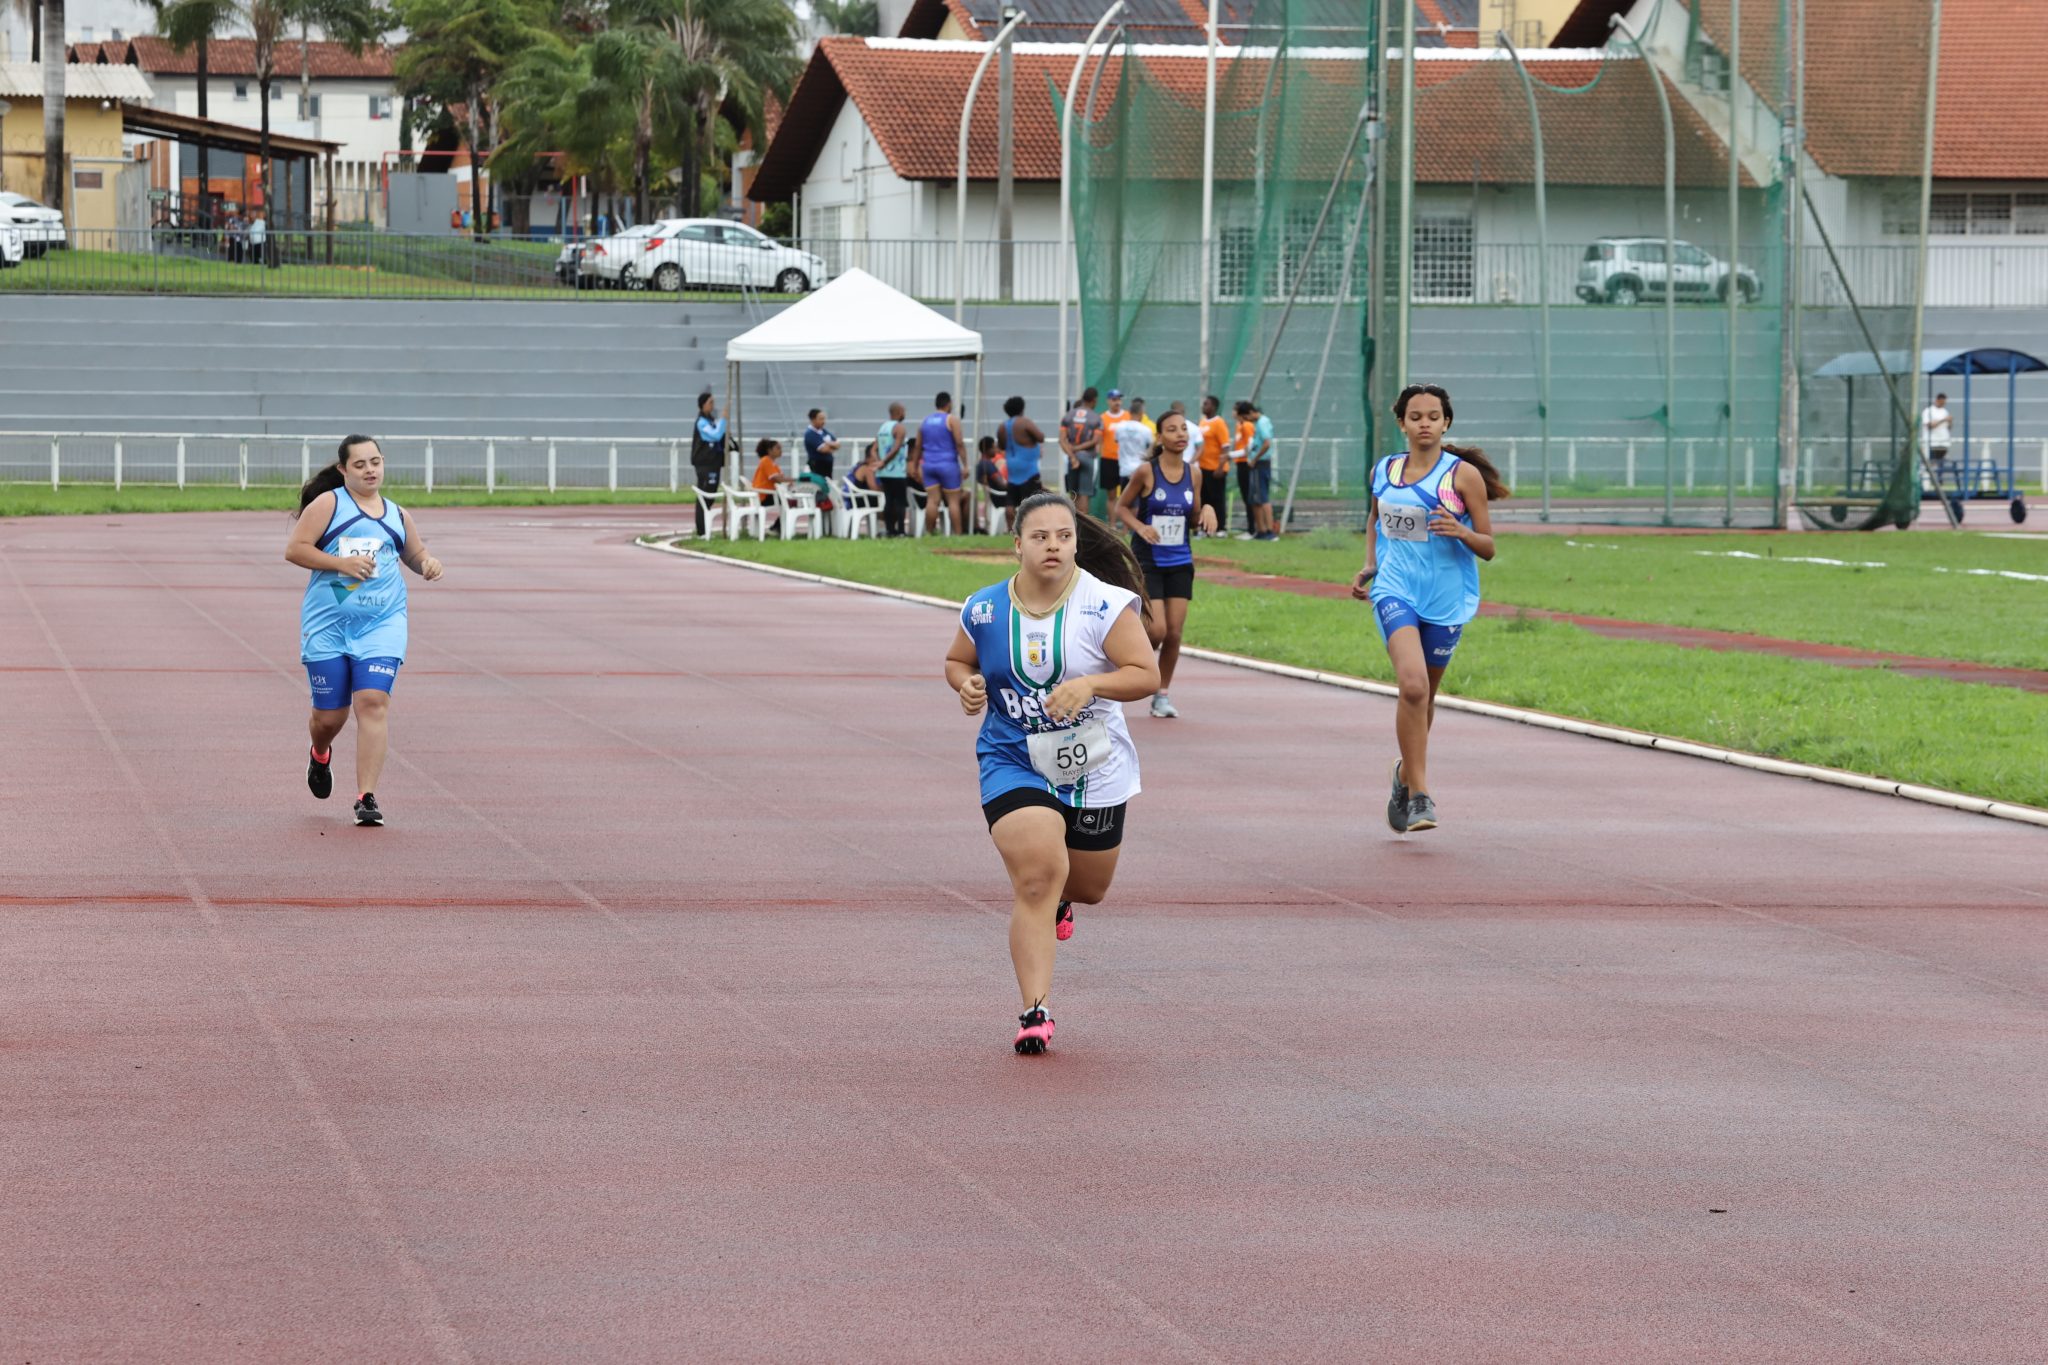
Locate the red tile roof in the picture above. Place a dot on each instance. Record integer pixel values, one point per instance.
(235, 58)
(1473, 122)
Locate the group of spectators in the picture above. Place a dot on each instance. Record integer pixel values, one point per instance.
(1104, 448)
(928, 459)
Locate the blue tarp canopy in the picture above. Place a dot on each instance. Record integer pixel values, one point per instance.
(1981, 360)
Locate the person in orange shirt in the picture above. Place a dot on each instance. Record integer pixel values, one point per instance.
(1107, 477)
(1215, 433)
(1240, 455)
(768, 476)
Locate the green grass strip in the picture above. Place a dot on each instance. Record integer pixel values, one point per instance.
(1986, 741)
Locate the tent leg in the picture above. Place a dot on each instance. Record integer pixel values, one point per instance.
(732, 399)
(974, 502)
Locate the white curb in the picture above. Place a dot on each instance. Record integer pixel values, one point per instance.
(1640, 739)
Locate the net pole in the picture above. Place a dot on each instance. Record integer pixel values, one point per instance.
(1315, 396)
(1621, 23)
(1088, 118)
(1308, 251)
(1068, 269)
(1792, 50)
(1914, 360)
(1542, 266)
(1404, 269)
(1208, 190)
(960, 179)
(1734, 281)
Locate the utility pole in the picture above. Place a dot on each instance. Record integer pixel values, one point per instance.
(1006, 158)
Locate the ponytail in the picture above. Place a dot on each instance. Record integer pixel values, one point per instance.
(1496, 487)
(1097, 549)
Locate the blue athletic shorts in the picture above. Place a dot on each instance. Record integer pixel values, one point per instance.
(1438, 642)
(335, 681)
(942, 474)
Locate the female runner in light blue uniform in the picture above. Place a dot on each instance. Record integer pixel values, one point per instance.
(352, 621)
(1430, 529)
(1049, 654)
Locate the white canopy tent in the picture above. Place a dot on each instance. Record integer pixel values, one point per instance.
(856, 318)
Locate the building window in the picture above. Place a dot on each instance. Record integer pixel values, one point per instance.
(1234, 248)
(309, 108)
(277, 92)
(380, 106)
(241, 90)
(2030, 215)
(1980, 213)
(1443, 257)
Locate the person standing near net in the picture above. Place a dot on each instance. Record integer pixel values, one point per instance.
(1049, 654)
(1023, 447)
(1107, 480)
(1135, 434)
(892, 445)
(939, 444)
(1215, 455)
(1935, 428)
(707, 453)
(1163, 496)
(1080, 436)
(1430, 528)
(1240, 458)
(1259, 459)
(352, 620)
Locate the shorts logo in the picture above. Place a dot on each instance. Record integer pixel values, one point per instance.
(984, 614)
(384, 669)
(1089, 820)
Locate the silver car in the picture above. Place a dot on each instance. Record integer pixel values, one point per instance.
(1627, 270)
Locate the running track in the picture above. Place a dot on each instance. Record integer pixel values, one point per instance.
(669, 1019)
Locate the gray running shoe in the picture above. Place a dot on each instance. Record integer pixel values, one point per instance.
(1397, 803)
(1421, 812)
(1162, 709)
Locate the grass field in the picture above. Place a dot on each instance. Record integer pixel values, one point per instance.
(30, 500)
(1973, 738)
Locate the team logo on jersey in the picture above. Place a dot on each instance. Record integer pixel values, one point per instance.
(1035, 650)
(984, 614)
(1098, 610)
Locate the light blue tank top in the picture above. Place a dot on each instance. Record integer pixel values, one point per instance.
(1024, 460)
(1436, 575)
(1168, 501)
(898, 465)
(341, 616)
(935, 439)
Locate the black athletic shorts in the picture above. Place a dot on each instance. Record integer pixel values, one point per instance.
(1178, 581)
(1095, 829)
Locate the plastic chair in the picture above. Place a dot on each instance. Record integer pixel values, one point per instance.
(920, 498)
(744, 505)
(858, 507)
(717, 511)
(799, 503)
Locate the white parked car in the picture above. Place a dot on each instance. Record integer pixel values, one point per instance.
(11, 250)
(601, 259)
(41, 227)
(714, 252)
(1627, 270)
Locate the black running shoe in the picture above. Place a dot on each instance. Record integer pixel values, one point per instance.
(366, 810)
(1421, 812)
(319, 777)
(1034, 1031)
(1397, 803)
(1063, 921)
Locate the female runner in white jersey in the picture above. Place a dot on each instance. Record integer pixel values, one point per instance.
(352, 621)
(1430, 528)
(1050, 654)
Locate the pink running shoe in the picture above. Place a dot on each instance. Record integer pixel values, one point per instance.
(1036, 1031)
(1063, 921)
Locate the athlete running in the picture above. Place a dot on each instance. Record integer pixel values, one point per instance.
(1163, 495)
(1049, 654)
(352, 623)
(1430, 529)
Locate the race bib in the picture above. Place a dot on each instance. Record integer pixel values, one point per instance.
(352, 546)
(1404, 523)
(1172, 530)
(1064, 757)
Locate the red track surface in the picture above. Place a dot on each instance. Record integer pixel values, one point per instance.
(669, 1019)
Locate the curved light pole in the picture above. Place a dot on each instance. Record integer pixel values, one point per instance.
(1208, 188)
(1066, 186)
(960, 182)
(1670, 250)
(1542, 264)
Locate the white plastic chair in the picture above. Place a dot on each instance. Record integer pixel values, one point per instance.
(920, 498)
(858, 507)
(799, 503)
(717, 511)
(744, 506)
(998, 519)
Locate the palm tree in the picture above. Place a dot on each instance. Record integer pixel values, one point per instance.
(856, 18)
(552, 101)
(53, 104)
(194, 28)
(458, 52)
(731, 54)
(31, 12)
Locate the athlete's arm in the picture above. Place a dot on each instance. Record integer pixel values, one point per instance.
(963, 673)
(1361, 586)
(1128, 499)
(416, 557)
(1136, 675)
(303, 549)
(1478, 537)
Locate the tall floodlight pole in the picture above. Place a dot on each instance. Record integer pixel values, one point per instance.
(1915, 362)
(1670, 251)
(1791, 147)
(960, 185)
(1733, 284)
(1542, 266)
(1066, 264)
(1006, 158)
(1208, 286)
(1404, 247)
